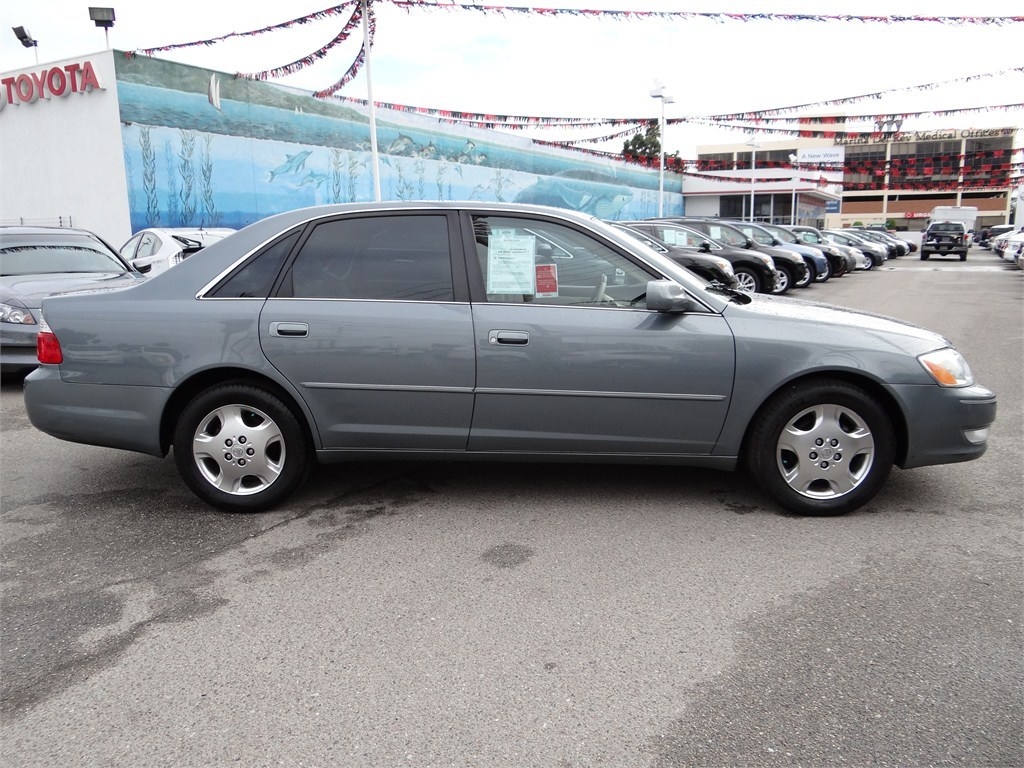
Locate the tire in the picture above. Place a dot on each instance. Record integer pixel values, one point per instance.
(924, 256)
(808, 278)
(840, 270)
(822, 277)
(785, 281)
(823, 447)
(748, 280)
(239, 448)
(963, 257)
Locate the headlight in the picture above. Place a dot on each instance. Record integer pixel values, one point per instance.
(947, 367)
(19, 315)
(724, 265)
(766, 259)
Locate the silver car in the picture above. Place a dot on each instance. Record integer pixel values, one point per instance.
(456, 331)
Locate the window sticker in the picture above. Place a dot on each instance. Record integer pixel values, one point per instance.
(510, 263)
(547, 279)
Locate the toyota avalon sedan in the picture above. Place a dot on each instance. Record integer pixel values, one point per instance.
(41, 261)
(453, 331)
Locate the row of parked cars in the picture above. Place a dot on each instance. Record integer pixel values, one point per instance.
(766, 258)
(1008, 244)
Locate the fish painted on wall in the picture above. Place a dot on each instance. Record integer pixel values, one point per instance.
(292, 164)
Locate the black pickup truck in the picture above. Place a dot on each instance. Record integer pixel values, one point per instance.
(945, 237)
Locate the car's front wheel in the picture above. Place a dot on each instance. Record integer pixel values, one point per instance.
(747, 280)
(808, 277)
(784, 281)
(821, 448)
(240, 448)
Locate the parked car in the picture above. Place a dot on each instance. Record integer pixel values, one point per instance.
(877, 252)
(754, 271)
(40, 261)
(895, 246)
(836, 263)
(714, 269)
(1007, 244)
(813, 258)
(945, 238)
(811, 236)
(152, 250)
(985, 237)
(444, 331)
(790, 267)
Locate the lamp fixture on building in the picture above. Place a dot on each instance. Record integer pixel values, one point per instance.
(659, 93)
(104, 17)
(26, 40)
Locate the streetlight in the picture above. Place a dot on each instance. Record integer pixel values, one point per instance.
(26, 39)
(659, 93)
(104, 17)
(753, 164)
(792, 209)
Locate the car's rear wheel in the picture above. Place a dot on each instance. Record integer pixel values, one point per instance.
(821, 448)
(240, 448)
(924, 256)
(748, 280)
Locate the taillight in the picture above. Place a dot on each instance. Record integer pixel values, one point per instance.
(48, 348)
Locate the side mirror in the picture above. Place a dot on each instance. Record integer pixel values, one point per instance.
(143, 268)
(668, 296)
(705, 246)
(750, 243)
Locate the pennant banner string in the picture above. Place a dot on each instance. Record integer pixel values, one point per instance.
(354, 21)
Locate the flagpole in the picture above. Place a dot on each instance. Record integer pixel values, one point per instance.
(373, 108)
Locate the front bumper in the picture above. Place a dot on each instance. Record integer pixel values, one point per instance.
(947, 424)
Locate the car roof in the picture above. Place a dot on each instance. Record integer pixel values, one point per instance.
(24, 229)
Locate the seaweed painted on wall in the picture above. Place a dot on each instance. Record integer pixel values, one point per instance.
(129, 169)
(173, 213)
(149, 178)
(212, 216)
(187, 171)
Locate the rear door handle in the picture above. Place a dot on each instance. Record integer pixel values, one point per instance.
(513, 338)
(289, 329)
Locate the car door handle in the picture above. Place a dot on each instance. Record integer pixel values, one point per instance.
(515, 338)
(289, 329)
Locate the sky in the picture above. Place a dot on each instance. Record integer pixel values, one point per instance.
(562, 66)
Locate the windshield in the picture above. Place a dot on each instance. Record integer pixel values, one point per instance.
(727, 235)
(784, 235)
(56, 257)
(758, 235)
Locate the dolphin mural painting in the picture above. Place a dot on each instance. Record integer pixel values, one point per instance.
(292, 164)
(593, 192)
(313, 178)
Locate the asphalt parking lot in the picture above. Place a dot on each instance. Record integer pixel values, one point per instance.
(527, 615)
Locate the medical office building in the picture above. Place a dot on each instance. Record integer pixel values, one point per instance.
(895, 177)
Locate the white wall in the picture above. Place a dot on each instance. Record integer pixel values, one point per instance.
(61, 156)
(701, 205)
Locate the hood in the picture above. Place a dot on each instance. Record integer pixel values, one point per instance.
(31, 289)
(839, 322)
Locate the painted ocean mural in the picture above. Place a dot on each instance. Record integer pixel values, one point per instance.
(203, 148)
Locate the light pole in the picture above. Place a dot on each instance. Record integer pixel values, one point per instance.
(26, 39)
(792, 208)
(753, 165)
(659, 93)
(103, 17)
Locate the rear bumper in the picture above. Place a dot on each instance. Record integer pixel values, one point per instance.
(95, 414)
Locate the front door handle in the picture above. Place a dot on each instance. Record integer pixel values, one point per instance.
(289, 329)
(513, 338)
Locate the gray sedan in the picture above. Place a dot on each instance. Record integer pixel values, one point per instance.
(456, 331)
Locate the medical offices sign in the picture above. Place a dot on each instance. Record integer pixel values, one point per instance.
(28, 88)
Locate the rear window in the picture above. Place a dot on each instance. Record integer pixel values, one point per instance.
(55, 255)
(947, 226)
